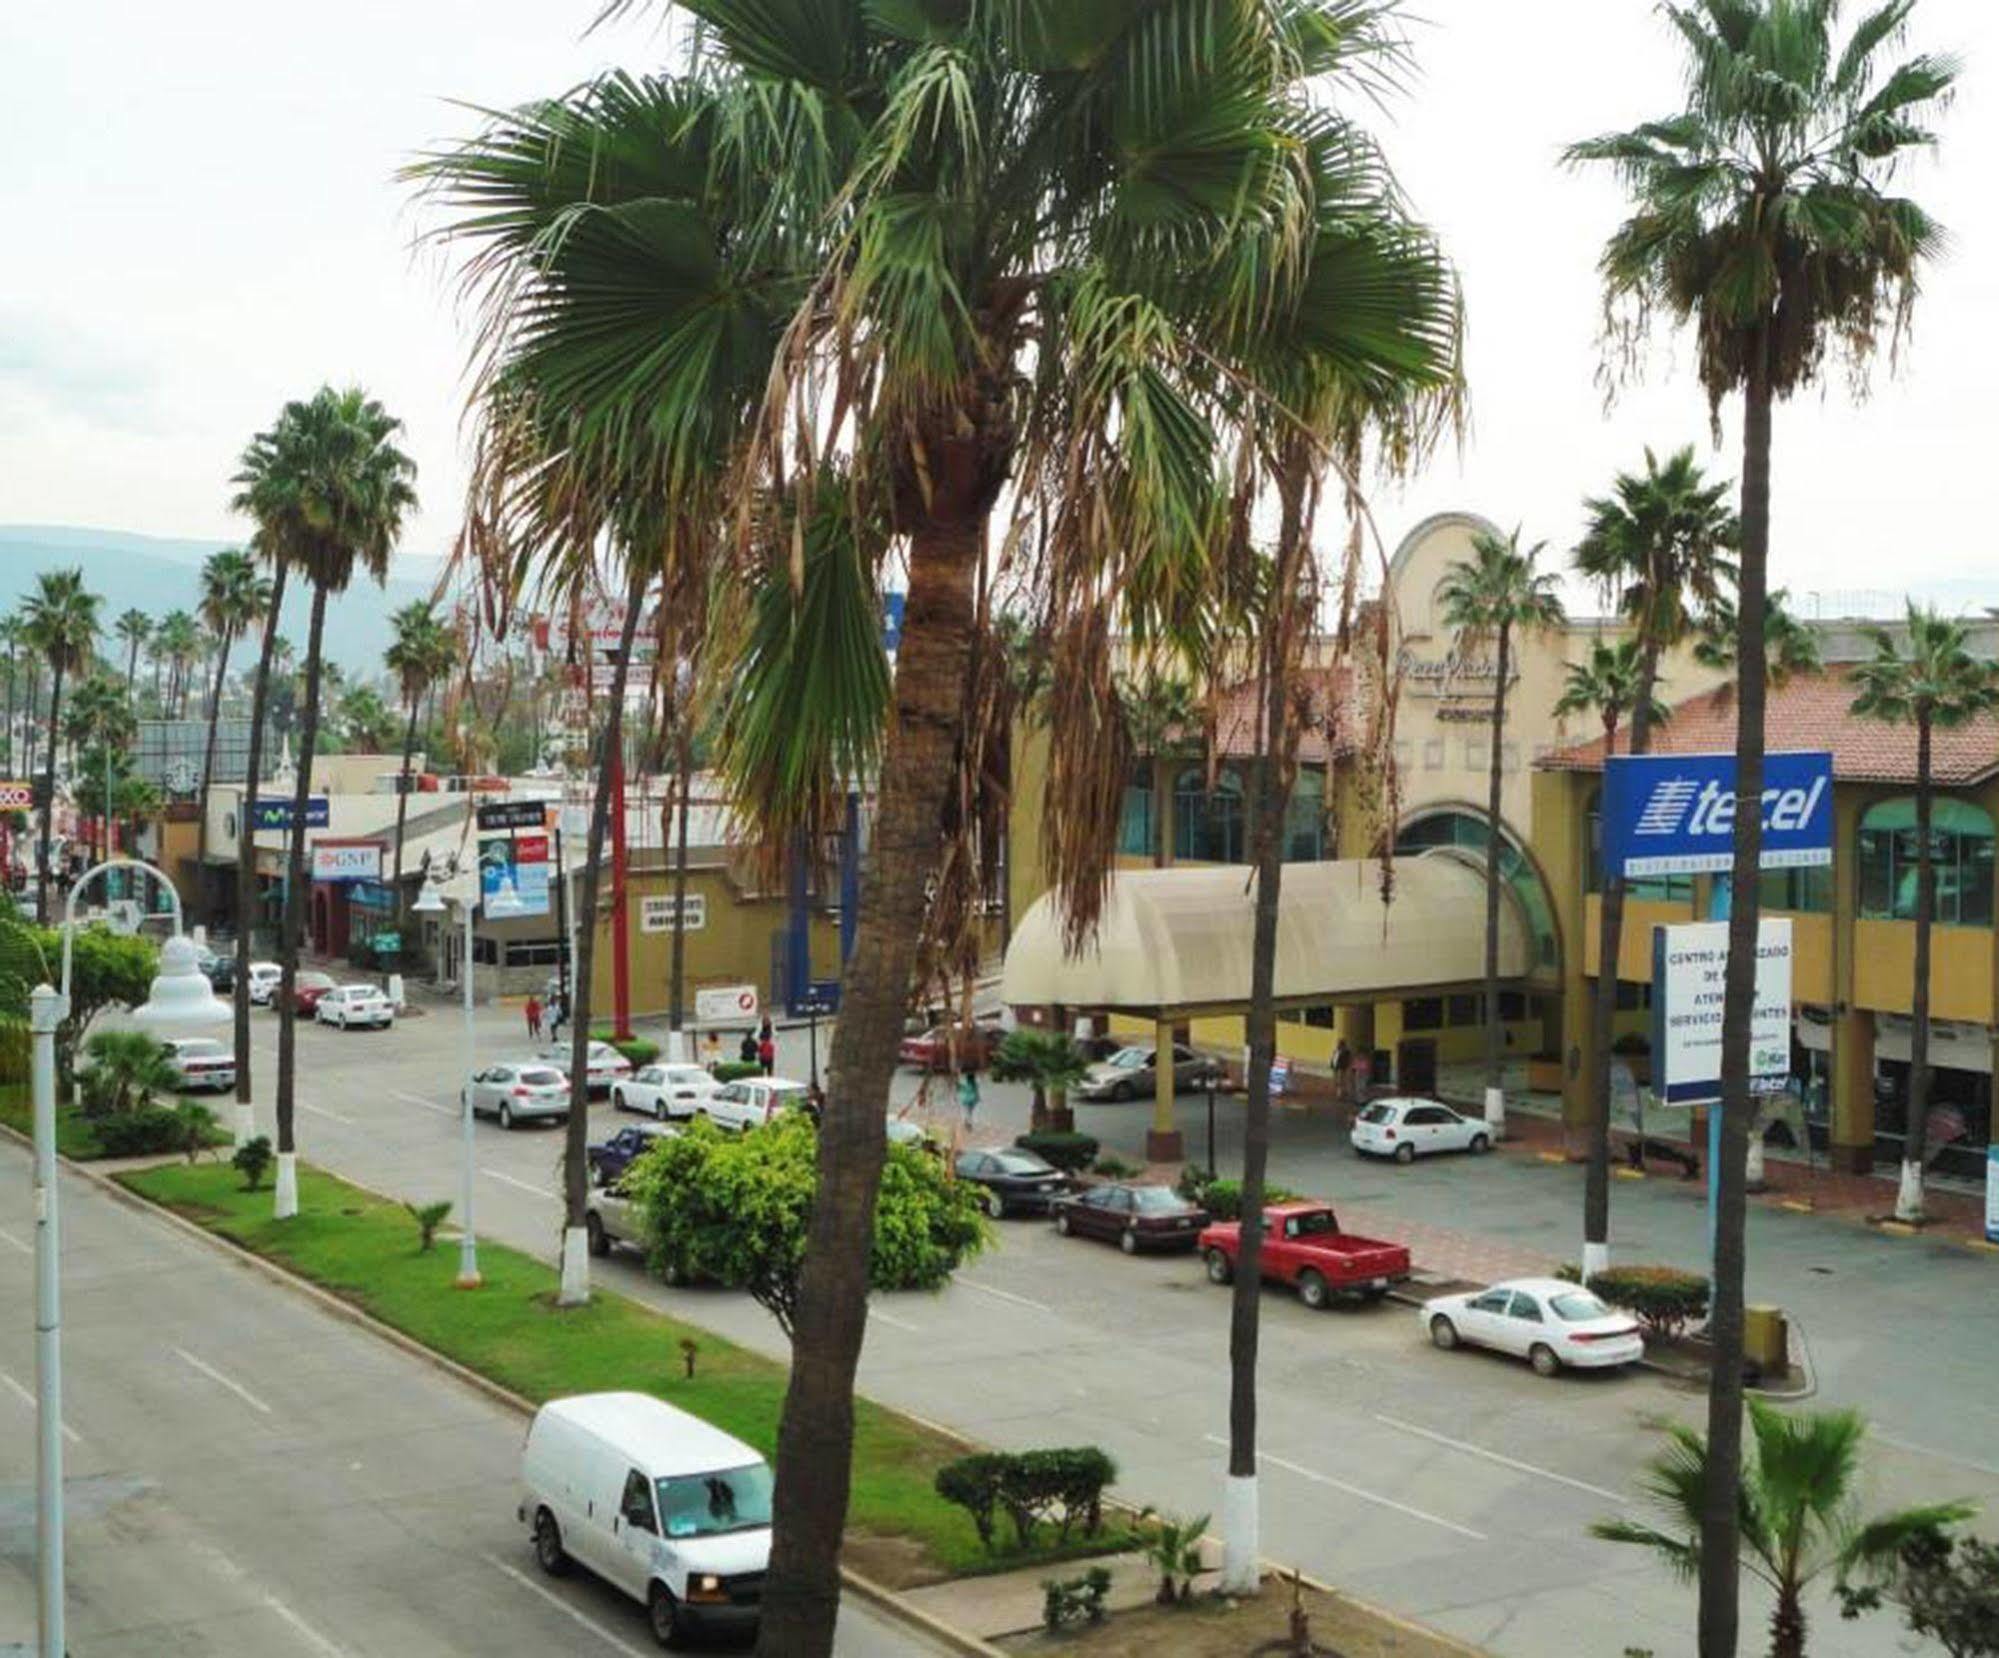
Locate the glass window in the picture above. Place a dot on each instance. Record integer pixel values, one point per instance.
(1135, 829)
(1156, 1200)
(1493, 1301)
(1423, 1013)
(1578, 1307)
(1467, 831)
(1305, 818)
(703, 1505)
(1209, 826)
(1512, 1005)
(1463, 1010)
(1960, 850)
(1525, 1307)
(637, 1503)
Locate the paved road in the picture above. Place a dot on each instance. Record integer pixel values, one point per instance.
(251, 1478)
(1452, 1487)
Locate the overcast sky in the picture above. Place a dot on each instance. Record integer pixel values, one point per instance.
(203, 221)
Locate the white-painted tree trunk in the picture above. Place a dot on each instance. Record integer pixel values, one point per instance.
(285, 1196)
(575, 1289)
(1241, 1549)
(246, 1125)
(1495, 1111)
(1596, 1258)
(1909, 1194)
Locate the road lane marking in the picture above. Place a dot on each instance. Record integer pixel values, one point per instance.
(1505, 1461)
(1004, 1295)
(13, 1242)
(892, 1321)
(609, 1637)
(428, 1105)
(526, 1186)
(217, 1377)
(228, 1570)
(1914, 1449)
(321, 1111)
(27, 1398)
(312, 1637)
(1361, 1492)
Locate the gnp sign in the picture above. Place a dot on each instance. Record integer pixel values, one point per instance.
(1674, 814)
(1689, 964)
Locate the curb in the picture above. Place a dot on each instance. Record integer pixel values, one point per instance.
(879, 1595)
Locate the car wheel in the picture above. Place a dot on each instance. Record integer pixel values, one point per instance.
(549, 1553)
(1123, 1093)
(1443, 1333)
(995, 1204)
(600, 1240)
(663, 1612)
(1062, 1222)
(1405, 1153)
(1542, 1357)
(1128, 1240)
(1480, 1144)
(1314, 1291)
(1219, 1270)
(506, 1116)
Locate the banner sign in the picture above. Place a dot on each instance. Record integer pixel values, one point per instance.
(1674, 814)
(277, 814)
(373, 895)
(728, 1004)
(513, 814)
(518, 865)
(344, 861)
(656, 914)
(1689, 964)
(17, 796)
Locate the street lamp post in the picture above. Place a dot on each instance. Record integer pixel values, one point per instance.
(181, 1000)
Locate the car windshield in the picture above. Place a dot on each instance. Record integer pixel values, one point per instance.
(201, 1048)
(1378, 1113)
(705, 1505)
(1020, 1162)
(540, 1077)
(1315, 1224)
(1578, 1307)
(1155, 1200)
(1130, 1059)
(681, 1075)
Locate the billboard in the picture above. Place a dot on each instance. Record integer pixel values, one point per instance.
(518, 864)
(1674, 814)
(1689, 964)
(728, 1004)
(343, 861)
(277, 814)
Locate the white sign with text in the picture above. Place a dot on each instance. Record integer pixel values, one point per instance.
(656, 914)
(1689, 965)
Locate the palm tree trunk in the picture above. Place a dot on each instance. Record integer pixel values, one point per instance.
(1787, 1625)
(575, 1289)
(246, 857)
(49, 791)
(1495, 1050)
(208, 769)
(683, 761)
(403, 810)
(1909, 1199)
(1720, 1611)
(1603, 1015)
(13, 668)
(131, 667)
(286, 1204)
(816, 1434)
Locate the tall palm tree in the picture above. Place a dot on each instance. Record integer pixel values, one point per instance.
(61, 620)
(1760, 214)
(100, 727)
(1159, 710)
(329, 490)
(1496, 596)
(1934, 684)
(177, 647)
(13, 640)
(1659, 544)
(135, 627)
(421, 652)
(1790, 646)
(1610, 684)
(1801, 1517)
(234, 596)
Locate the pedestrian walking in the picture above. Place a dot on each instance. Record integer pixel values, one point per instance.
(767, 1050)
(1342, 1071)
(533, 1012)
(968, 1096)
(558, 1014)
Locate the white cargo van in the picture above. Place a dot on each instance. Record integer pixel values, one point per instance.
(669, 1509)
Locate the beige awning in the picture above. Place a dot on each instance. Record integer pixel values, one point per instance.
(1179, 939)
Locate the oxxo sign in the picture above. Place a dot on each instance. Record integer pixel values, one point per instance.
(1674, 814)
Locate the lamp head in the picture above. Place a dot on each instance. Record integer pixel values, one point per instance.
(182, 999)
(429, 902)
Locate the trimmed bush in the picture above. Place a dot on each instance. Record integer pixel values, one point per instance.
(1112, 1167)
(730, 1069)
(253, 1157)
(1062, 1487)
(639, 1051)
(1223, 1198)
(1663, 1299)
(1067, 1151)
(141, 1132)
(974, 1483)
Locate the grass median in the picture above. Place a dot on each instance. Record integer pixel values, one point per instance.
(363, 1247)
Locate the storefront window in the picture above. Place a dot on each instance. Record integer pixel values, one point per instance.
(1135, 831)
(1209, 825)
(1802, 891)
(1960, 845)
(1305, 821)
(1462, 829)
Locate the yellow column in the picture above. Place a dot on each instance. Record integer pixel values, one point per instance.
(1163, 1143)
(1852, 1137)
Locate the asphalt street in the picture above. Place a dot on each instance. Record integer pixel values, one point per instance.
(1455, 1488)
(249, 1477)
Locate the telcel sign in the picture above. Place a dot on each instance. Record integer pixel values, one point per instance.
(1674, 814)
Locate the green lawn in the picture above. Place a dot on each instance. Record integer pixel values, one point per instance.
(76, 1134)
(363, 1247)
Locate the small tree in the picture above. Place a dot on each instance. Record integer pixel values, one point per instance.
(253, 1161)
(1049, 1062)
(194, 1129)
(127, 1069)
(428, 1217)
(1174, 1552)
(735, 1208)
(1948, 1589)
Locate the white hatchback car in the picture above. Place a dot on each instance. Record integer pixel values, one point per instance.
(263, 980)
(664, 1091)
(1551, 1323)
(348, 1005)
(750, 1102)
(1408, 1129)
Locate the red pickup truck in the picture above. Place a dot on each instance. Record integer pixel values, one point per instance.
(1303, 1246)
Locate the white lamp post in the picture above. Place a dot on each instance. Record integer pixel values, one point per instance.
(182, 1000)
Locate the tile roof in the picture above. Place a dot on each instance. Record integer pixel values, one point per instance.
(1812, 712)
(1318, 694)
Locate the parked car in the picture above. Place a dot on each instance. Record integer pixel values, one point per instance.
(218, 970)
(610, 1158)
(664, 1091)
(657, 1503)
(932, 1049)
(517, 1092)
(1549, 1322)
(307, 988)
(1130, 1074)
(264, 977)
(607, 1066)
(1015, 1181)
(610, 1218)
(348, 1005)
(201, 1062)
(750, 1102)
(1408, 1129)
(1304, 1247)
(1132, 1217)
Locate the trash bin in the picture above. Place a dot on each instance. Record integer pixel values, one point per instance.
(1766, 1339)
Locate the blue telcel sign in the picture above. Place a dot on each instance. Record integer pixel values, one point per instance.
(1674, 814)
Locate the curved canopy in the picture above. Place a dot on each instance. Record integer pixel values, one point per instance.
(1180, 938)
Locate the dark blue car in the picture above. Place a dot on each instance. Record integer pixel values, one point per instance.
(609, 1160)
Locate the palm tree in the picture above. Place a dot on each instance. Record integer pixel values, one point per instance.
(1938, 685)
(1495, 595)
(61, 620)
(1800, 1514)
(234, 596)
(1159, 710)
(329, 490)
(135, 627)
(126, 1069)
(1659, 544)
(13, 640)
(177, 647)
(1761, 215)
(1048, 1061)
(364, 720)
(100, 726)
(421, 653)
(1610, 684)
(1790, 647)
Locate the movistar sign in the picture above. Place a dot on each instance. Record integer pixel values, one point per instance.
(1674, 814)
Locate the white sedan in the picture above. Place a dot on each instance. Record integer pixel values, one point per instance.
(349, 1005)
(202, 1062)
(264, 977)
(664, 1091)
(1552, 1324)
(607, 1067)
(1408, 1129)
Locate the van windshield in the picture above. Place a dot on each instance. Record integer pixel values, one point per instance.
(705, 1505)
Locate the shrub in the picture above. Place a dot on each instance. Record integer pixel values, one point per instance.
(1663, 1299)
(16, 1051)
(194, 1129)
(1068, 1151)
(1223, 1198)
(428, 1217)
(1114, 1168)
(1067, 1600)
(140, 1132)
(974, 1484)
(1174, 1552)
(729, 1070)
(253, 1158)
(1062, 1487)
(638, 1050)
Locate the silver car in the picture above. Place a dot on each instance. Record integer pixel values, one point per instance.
(517, 1093)
(1129, 1074)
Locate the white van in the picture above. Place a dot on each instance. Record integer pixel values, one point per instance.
(669, 1509)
